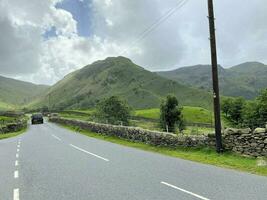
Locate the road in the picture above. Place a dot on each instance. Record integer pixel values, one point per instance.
(51, 163)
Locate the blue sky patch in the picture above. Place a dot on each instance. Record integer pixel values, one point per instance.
(50, 33)
(81, 12)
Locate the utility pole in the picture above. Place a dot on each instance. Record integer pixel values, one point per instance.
(49, 102)
(216, 94)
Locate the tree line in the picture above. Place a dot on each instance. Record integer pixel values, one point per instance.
(241, 113)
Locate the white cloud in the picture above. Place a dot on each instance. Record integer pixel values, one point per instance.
(116, 26)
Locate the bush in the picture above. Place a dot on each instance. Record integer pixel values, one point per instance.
(113, 110)
(251, 114)
(233, 108)
(255, 112)
(171, 114)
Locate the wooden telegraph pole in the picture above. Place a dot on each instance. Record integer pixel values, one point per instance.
(216, 94)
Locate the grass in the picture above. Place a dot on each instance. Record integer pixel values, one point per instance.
(191, 114)
(8, 119)
(9, 135)
(148, 113)
(4, 106)
(204, 155)
(74, 116)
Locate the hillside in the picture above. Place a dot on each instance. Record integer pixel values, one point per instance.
(15, 92)
(117, 76)
(245, 80)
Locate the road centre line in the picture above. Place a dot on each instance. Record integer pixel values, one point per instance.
(185, 191)
(56, 137)
(17, 155)
(16, 194)
(17, 150)
(87, 152)
(16, 174)
(16, 163)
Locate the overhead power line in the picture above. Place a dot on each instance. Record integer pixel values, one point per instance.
(157, 23)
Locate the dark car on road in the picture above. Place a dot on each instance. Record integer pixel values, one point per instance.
(37, 118)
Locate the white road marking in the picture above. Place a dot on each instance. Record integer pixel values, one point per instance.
(89, 152)
(56, 137)
(17, 150)
(18, 146)
(17, 155)
(16, 163)
(16, 174)
(16, 194)
(185, 191)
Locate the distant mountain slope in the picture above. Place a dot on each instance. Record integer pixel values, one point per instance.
(18, 92)
(118, 76)
(245, 80)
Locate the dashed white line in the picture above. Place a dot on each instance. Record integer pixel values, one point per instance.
(18, 146)
(56, 137)
(16, 163)
(16, 174)
(16, 194)
(185, 191)
(87, 152)
(17, 155)
(17, 150)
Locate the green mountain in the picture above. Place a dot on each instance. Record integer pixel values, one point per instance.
(245, 80)
(14, 92)
(117, 76)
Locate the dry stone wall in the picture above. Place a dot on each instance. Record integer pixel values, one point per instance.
(137, 134)
(13, 127)
(246, 141)
(242, 141)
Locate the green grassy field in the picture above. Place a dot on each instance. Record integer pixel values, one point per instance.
(191, 114)
(5, 106)
(195, 115)
(4, 118)
(207, 156)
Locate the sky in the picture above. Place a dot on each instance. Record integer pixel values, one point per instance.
(42, 41)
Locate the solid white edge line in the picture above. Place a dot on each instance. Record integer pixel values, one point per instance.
(185, 191)
(56, 137)
(16, 194)
(89, 152)
(16, 174)
(16, 163)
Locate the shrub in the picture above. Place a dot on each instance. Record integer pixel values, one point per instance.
(113, 110)
(171, 114)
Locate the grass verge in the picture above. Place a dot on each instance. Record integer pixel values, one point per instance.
(202, 155)
(9, 135)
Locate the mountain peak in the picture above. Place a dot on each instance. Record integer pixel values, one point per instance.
(118, 58)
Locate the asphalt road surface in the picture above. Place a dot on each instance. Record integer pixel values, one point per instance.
(52, 163)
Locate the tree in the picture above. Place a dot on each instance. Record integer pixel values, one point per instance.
(226, 106)
(233, 108)
(113, 110)
(171, 114)
(262, 107)
(251, 115)
(255, 112)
